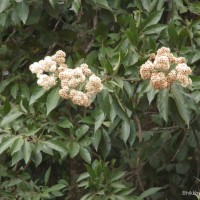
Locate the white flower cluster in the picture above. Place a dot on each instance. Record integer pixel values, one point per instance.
(166, 69)
(46, 70)
(79, 85)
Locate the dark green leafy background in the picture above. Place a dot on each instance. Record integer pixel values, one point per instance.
(133, 142)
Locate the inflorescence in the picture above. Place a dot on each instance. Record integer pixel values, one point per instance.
(79, 85)
(164, 68)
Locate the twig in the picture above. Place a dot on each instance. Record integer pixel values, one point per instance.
(198, 150)
(183, 141)
(139, 128)
(165, 128)
(156, 153)
(87, 49)
(138, 168)
(54, 44)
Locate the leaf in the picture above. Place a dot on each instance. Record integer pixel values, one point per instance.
(99, 120)
(105, 144)
(196, 57)
(154, 29)
(145, 4)
(27, 150)
(4, 4)
(56, 187)
(132, 32)
(14, 90)
(85, 155)
(6, 143)
(129, 88)
(118, 185)
(74, 149)
(6, 82)
(125, 131)
(119, 110)
(47, 175)
(83, 176)
(11, 116)
(162, 103)
(76, 4)
(97, 139)
(16, 157)
(173, 34)
(22, 11)
(181, 105)
(102, 4)
(150, 191)
(3, 19)
(36, 95)
(152, 19)
(65, 124)
(56, 145)
(36, 157)
(52, 100)
(151, 93)
(116, 176)
(52, 2)
(34, 15)
(17, 145)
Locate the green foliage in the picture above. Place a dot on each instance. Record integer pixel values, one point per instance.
(131, 136)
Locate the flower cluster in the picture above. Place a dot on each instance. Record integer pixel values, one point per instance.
(47, 69)
(164, 68)
(79, 85)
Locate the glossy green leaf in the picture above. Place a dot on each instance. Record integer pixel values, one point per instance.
(119, 109)
(125, 131)
(181, 105)
(152, 19)
(22, 11)
(97, 139)
(154, 29)
(149, 192)
(47, 175)
(4, 4)
(173, 34)
(85, 154)
(162, 103)
(37, 93)
(27, 150)
(99, 120)
(52, 100)
(56, 145)
(17, 145)
(6, 143)
(10, 117)
(73, 149)
(76, 4)
(105, 144)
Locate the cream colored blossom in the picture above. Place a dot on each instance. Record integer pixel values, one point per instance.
(79, 85)
(146, 69)
(86, 71)
(159, 81)
(183, 69)
(171, 77)
(46, 81)
(166, 69)
(162, 63)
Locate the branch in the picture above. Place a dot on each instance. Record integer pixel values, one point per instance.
(140, 136)
(89, 46)
(183, 141)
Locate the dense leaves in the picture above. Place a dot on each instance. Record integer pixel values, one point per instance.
(133, 141)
